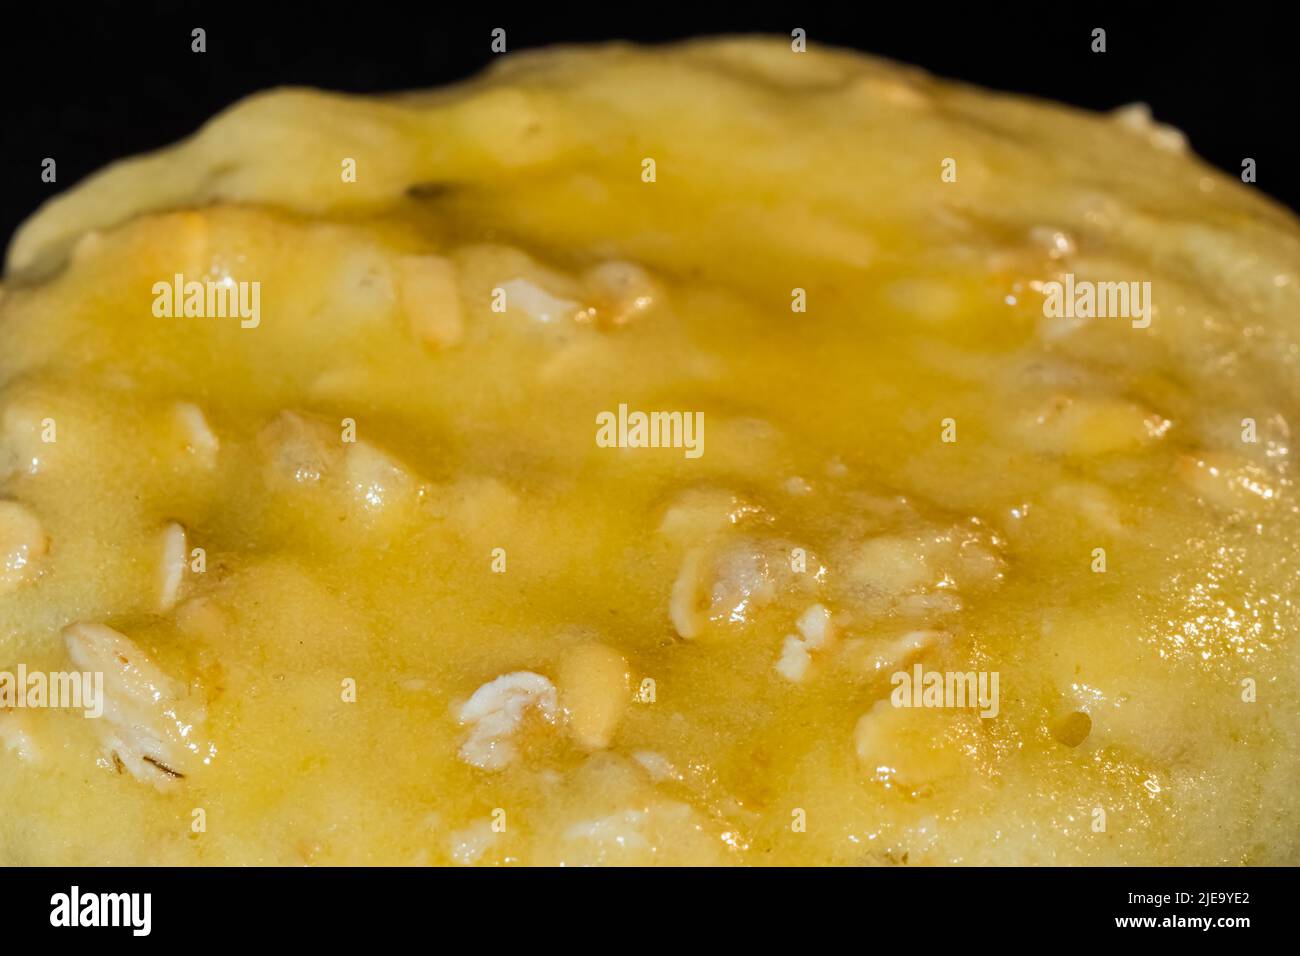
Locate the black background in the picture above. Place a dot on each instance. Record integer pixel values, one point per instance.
(90, 83)
(905, 909)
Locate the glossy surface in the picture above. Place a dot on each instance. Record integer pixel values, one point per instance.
(459, 630)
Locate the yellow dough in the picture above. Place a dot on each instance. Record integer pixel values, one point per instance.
(367, 583)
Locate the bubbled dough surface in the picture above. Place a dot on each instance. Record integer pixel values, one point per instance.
(774, 171)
